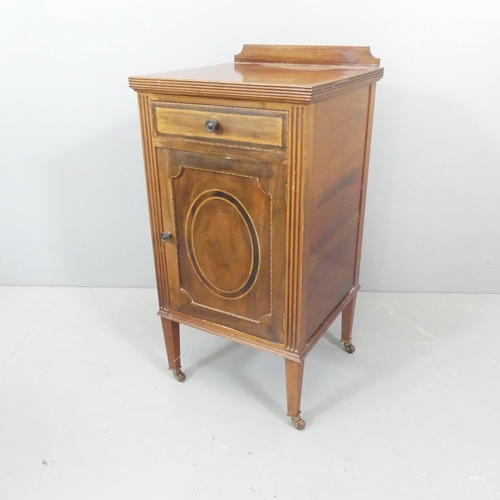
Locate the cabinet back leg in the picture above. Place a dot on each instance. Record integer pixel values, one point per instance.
(347, 321)
(172, 343)
(294, 375)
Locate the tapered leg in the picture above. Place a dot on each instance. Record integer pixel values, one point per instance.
(347, 320)
(294, 375)
(172, 343)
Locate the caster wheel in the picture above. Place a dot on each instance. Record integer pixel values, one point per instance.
(349, 347)
(179, 375)
(298, 423)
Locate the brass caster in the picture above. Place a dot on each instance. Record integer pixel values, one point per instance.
(179, 375)
(349, 347)
(298, 422)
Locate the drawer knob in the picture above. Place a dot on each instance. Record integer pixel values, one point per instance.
(211, 125)
(165, 236)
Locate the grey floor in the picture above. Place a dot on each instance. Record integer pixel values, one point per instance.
(89, 410)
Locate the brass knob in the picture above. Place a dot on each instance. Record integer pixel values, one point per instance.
(165, 236)
(211, 125)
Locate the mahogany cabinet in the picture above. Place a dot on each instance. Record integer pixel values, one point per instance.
(256, 175)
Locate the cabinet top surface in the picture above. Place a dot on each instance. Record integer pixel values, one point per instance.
(279, 72)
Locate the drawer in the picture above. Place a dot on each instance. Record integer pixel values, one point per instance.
(234, 126)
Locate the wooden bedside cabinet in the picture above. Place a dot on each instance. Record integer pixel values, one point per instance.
(256, 174)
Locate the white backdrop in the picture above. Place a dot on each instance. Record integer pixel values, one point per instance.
(73, 205)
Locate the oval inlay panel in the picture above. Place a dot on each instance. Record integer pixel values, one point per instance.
(222, 244)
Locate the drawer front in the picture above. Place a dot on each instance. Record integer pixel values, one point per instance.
(235, 126)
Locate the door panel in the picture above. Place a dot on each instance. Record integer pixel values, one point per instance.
(222, 212)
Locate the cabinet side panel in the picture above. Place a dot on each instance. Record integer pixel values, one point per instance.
(333, 187)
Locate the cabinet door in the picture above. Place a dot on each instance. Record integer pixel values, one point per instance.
(226, 258)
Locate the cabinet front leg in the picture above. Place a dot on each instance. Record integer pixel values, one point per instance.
(347, 321)
(294, 376)
(172, 343)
